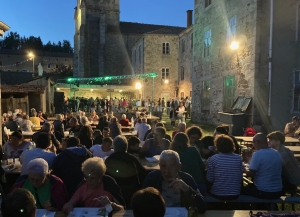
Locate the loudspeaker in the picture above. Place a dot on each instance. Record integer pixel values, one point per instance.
(58, 99)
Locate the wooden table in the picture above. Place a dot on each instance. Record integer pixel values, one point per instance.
(250, 139)
(235, 213)
(129, 133)
(170, 212)
(26, 135)
(295, 149)
(43, 212)
(149, 166)
(16, 170)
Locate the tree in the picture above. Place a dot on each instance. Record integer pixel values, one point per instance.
(11, 41)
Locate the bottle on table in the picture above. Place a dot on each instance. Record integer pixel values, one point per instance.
(193, 211)
(71, 134)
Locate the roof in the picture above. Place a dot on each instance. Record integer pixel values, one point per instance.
(142, 28)
(36, 53)
(22, 88)
(13, 78)
(4, 26)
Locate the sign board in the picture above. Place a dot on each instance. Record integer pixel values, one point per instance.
(110, 90)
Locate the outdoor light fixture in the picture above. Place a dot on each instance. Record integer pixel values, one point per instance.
(92, 90)
(166, 81)
(58, 88)
(120, 91)
(138, 85)
(31, 56)
(234, 45)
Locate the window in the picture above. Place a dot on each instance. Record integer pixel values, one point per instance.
(182, 95)
(165, 73)
(207, 3)
(140, 53)
(49, 66)
(182, 73)
(182, 45)
(298, 23)
(207, 43)
(166, 48)
(205, 104)
(56, 66)
(1, 63)
(297, 91)
(229, 92)
(231, 30)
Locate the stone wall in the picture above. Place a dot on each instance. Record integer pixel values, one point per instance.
(185, 63)
(222, 61)
(153, 60)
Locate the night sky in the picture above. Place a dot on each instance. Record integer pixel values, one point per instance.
(52, 20)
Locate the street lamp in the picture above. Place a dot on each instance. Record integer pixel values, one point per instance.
(138, 85)
(31, 55)
(166, 81)
(234, 45)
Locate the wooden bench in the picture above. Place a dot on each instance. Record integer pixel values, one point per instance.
(250, 199)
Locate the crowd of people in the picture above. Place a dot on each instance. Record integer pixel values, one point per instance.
(99, 167)
(125, 104)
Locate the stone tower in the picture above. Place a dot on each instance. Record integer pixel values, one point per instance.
(94, 19)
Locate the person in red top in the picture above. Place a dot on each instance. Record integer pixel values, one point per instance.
(181, 129)
(97, 190)
(124, 121)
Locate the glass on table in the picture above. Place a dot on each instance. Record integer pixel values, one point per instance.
(10, 161)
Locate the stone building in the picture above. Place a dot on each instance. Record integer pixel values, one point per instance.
(3, 28)
(264, 67)
(185, 59)
(157, 51)
(19, 60)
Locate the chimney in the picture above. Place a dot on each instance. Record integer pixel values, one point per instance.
(189, 19)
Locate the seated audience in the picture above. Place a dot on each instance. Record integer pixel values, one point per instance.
(125, 169)
(290, 128)
(11, 124)
(143, 128)
(190, 159)
(16, 145)
(97, 190)
(225, 170)
(18, 203)
(102, 123)
(148, 202)
(106, 132)
(103, 150)
(290, 166)
(224, 129)
(47, 128)
(36, 121)
(74, 126)
(86, 136)
(265, 169)
(124, 121)
(208, 144)
(84, 121)
(26, 125)
(97, 135)
(149, 133)
(42, 117)
(176, 187)
(115, 127)
(59, 127)
(42, 143)
(155, 145)
(137, 124)
(49, 191)
(19, 120)
(134, 145)
(93, 117)
(67, 165)
(181, 128)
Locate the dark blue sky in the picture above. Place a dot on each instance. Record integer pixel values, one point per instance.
(53, 19)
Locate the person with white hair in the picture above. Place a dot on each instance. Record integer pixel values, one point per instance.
(84, 121)
(176, 187)
(49, 191)
(59, 127)
(124, 121)
(98, 189)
